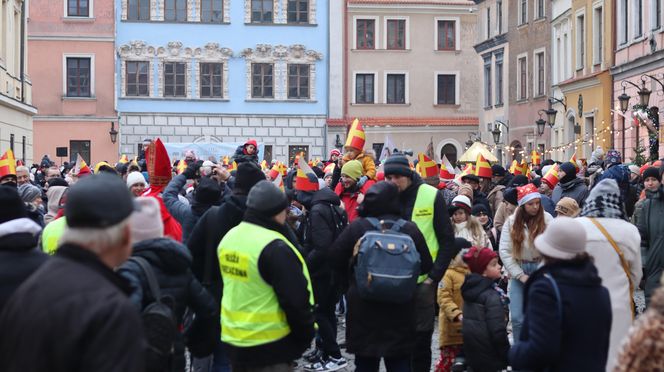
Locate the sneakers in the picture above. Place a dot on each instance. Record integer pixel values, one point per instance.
(313, 356)
(331, 364)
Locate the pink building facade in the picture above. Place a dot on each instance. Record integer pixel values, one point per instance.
(639, 58)
(71, 49)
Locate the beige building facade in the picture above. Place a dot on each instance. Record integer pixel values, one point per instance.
(16, 110)
(406, 73)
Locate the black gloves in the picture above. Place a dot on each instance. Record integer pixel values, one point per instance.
(192, 170)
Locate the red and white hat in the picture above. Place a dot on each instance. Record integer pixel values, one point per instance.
(526, 193)
(461, 201)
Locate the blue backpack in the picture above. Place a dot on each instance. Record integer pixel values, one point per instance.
(387, 263)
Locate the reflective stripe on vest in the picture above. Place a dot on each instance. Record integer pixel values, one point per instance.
(423, 217)
(52, 234)
(250, 311)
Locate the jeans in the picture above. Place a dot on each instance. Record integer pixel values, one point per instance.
(217, 362)
(516, 295)
(372, 364)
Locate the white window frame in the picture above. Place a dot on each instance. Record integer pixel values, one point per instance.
(406, 35)
(91, 9)
(536, 12)
(377, 39)
(580, 57)
(457, 36)
(654, 16)
(536, 72)
(406, 84)
(92, 74)
(622, 21)
(520, 14)
(598, 58)
(634, 18)
(456, 85)
(375, 90)
(519, 96)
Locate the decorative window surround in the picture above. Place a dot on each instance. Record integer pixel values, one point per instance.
(281, 56)
(193, 10)
(280, 15)
(174, 52)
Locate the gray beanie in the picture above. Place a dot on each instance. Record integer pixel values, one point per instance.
(266, 198)
(29, 192)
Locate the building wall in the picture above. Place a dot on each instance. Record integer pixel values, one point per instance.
(235, 41)
(16, 108)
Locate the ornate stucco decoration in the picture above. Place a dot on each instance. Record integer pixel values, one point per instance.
(211, 52)
(136, 50)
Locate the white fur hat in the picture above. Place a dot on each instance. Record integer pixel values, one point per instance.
(146, 221)
(134, 178)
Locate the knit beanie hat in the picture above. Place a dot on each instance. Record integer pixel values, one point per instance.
(510, 195)
(397, 164)
(146, 220)
(467, 190)
(518, 180)
(352, 169)
(570, 171)
(652, 172)
(479, 208)
(527, 193)
(247, 175)
(134, 178)
(460, 201)
(562, 239)
(12, 206)
(478, 259)
(29, 192)
(334, 152)
(208, 191)
(613, 157)
(497, 170)
(267, 199)
(567, 207)
(634, 169)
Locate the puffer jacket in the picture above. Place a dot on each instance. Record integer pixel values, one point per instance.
(485, 340)
(349, 197)
(651, 228)
(575, 189)
(450, 302)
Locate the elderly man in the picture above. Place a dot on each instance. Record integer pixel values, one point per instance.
(22, 175)
(73, 313)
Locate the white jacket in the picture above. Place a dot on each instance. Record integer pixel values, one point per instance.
(612, 273)
(461, 230)
(505, 247)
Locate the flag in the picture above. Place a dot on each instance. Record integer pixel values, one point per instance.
(264, 165)
(283, 169)
(514, 168)
(274, 171)
(551, 177)
(535, 158)
(388, 148)
(574, 161)
(225, 160)
(123, 159)
(329, 168)
(427, 167)
(524, 168)
(298, 157)
(356, 137)
(429, 150)
(468, 169)
(81, 167)
(279, 182)
(306, 179)
(446, 170)
(182, 165)
(482, 167)
(7, 164)
(233, 166)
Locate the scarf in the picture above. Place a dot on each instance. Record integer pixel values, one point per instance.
(604, 201)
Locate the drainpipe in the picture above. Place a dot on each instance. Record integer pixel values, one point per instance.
(22, 67)
(611, 62)
(344, 43)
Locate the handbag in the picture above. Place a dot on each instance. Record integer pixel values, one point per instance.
(623, 261)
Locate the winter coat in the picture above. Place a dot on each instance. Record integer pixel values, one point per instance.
(612, 274)
(576, 341)
(376, 329)
(548, 205)
(481, 198)
(528, 252)
(451, 305)
(187, 215)
(495, 197)
(632, 197)
(643, 349)
(240, 156)
(461, 230)
(485, 342)
(54, 194)
(280, 268)
(206, 236)
(349, 197)
(575, 189)
(19, 255)
(651, 228)
(368, 164)
(505, 210)
(72, 314)
(441, 223)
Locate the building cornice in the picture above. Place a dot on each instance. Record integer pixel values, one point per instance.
(75, 118)
(70, 38)
(415, 6)
(408, 121)
(638, 66)
(17, 105)
(580, 83)
(491, 43)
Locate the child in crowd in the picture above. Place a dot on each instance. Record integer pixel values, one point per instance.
(484, 329)
(465, 225)
(247, 152)
(354, 150)
(480, 212)
(451, 305)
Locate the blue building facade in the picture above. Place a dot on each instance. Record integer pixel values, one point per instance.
(223, 71)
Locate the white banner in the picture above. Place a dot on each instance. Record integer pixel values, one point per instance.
(203, 150)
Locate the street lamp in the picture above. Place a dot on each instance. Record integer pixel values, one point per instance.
(624, 99)
(540, 125)
(337, 142)
(113, 133)
(496, 135)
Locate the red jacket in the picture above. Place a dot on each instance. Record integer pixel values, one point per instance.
(349, 199)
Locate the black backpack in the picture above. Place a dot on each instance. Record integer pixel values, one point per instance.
(159, 323)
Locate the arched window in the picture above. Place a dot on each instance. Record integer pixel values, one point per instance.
(516, 153)
(450, 151)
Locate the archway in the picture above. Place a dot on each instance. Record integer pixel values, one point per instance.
(450, 152)
(516, 151)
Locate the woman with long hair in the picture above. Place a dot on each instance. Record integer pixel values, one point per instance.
(517, 250)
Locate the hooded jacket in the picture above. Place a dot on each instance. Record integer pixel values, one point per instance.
(650, 223)
(485, 340)
(54, 194)
(19, 255)
(577, 339)
(575, 189)
(241, 155)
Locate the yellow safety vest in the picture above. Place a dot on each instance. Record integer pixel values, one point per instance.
(52, 234)
(423, 217)
(250, 311)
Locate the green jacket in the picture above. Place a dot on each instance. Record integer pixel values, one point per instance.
(650, 223)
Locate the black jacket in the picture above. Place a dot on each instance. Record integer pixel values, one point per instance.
(240, 156)
(485, 340)
(279, 267)
(577, 342)
(480, 198)
(206, 236)
(575, 189)
(442, 225)
(72, 314)
(377, 329)
(19, 255)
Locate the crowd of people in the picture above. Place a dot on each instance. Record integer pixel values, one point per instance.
(150, 265)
